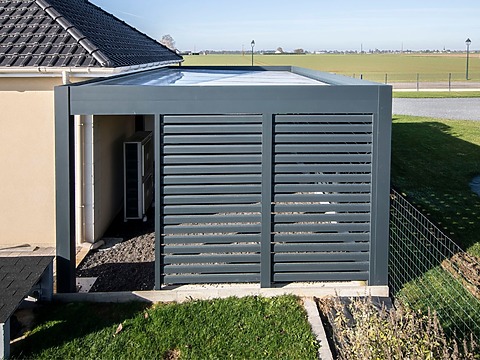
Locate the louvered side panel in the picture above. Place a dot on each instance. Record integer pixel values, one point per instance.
(322, 197)
(211, 195)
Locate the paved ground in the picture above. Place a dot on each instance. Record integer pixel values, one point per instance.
(460, 109)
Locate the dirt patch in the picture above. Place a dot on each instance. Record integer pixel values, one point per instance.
(465, 268)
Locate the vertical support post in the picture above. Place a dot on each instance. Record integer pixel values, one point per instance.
(379, 246)
(386, 79)
(64, 191)
(157, 138)
(5, 339)
(418, 82)
(449, 81)
(267, 183)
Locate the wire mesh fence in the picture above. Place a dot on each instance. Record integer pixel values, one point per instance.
(423, 81)
(429, 272)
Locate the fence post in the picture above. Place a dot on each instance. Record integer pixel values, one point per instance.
(158, 201)
(266, 237)
(449, 81)
(418, 82)
(386, 79)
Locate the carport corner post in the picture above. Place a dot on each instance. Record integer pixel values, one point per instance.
(158, 198)
(64, 191)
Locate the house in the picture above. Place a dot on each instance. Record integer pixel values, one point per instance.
(45, 43)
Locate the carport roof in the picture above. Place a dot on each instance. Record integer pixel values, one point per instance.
(201, 76)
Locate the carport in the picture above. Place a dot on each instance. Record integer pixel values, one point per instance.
(265, 175)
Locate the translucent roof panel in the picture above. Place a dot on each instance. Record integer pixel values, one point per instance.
(212, 77)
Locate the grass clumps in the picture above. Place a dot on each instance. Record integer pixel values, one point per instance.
(363, 331)
(233, 328)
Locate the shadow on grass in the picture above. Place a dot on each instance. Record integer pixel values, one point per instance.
(58, 324)
(432, 168)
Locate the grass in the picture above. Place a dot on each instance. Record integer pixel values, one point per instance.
(433, 162)
(435, 94)
(247, 328)
(399, 67)
(456, 308)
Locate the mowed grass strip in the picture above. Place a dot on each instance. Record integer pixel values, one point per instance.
(435, 94)
(433, 162)
(233, 328)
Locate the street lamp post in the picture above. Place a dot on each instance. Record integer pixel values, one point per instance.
(467, 42)
(252, 44)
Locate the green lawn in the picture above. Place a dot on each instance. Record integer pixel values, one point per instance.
(433, 162)
(435, 94)
(247, 328)
(399, 67)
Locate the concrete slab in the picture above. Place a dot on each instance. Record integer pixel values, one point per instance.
(206, 292)
(315, 321)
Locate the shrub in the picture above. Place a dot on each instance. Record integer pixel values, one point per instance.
(363, 331)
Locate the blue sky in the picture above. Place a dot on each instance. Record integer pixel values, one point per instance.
(312, 25)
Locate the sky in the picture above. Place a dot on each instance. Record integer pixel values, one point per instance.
(307, 24)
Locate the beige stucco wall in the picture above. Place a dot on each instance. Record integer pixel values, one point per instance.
(27, 181)
(109, 134)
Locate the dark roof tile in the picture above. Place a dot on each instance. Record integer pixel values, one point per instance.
(72, 33)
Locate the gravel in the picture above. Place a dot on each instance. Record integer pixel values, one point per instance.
(449, 108)
(126, 261)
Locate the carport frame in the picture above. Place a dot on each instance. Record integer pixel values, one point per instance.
(342, 95)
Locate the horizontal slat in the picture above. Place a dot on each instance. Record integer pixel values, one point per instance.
(322, 197)
(211, 259)
(181, 219)
(210, 229)
(210, 239)
(337, 188)
(211, 179)
(316, 128)
(210, 249)
(211, 278)
(325, 266)
(212, 169)
(211, 199)
(295, 207)
(309, 178)
(211, 159)
(290, 218)
(324, 118)
(321, 276)
(330, 138)
(278, 248)
(212, 269)
(211, 189)
(319, 227)
(212, 149)
(212, 119)
(322, 148)
(323, 158)
(321, 257)
(210, 209)
(208, 139)
(212, 129)
(321, 238)
(319, 168)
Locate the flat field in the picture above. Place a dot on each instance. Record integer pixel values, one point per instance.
(398, 67)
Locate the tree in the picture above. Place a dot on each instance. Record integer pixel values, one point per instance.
(167, 40)
(299, 51)
(279, 50)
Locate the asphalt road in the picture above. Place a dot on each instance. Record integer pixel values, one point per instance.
(459, 109)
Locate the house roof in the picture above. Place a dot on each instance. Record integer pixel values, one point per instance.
(72, 33)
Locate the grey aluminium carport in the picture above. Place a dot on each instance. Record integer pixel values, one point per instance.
(262, 174)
